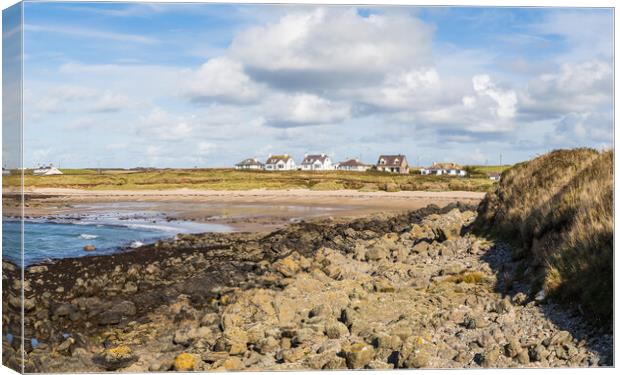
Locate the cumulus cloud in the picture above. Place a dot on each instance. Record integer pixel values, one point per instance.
(328, 47)
(303, 109)
(574, 87)
(222, 79)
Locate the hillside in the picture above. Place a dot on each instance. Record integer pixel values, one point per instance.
(559, 210)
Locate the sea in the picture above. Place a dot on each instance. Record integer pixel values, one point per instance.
(66, 238)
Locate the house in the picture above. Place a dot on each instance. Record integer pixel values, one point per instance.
(279, 163)
(250, 163)
(319, 162)
(393, 164)
(48, 170)
(494, 176)
(352, 165)
(449, 169)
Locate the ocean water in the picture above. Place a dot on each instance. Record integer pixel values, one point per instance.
(51, 240)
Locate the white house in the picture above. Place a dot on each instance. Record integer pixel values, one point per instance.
(319, 162)
(494, 176)
(352, 165)
(46, 171)
(250, 163)
(439, 169)
(279, 163)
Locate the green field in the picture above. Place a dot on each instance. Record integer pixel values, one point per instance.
(490, 168)
(230, 179)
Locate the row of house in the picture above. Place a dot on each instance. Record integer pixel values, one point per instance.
(322, 162)
(311, 162)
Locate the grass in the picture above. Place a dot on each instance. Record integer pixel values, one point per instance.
(490, 168)
(230, 179)
(558, 208)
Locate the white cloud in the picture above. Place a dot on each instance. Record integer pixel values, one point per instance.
(221, 79)
(574, 87)
(90, 33)
(506, 99)
(303, 109)
(328, 46)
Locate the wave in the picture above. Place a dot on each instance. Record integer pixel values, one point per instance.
(136, 244)
(88, 236)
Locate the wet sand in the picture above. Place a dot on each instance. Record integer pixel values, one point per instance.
(249, 210)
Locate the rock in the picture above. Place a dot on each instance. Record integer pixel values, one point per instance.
(417, 359)
(490, 357)
(538, 353)
(90, 248)
(185, 362)
(320, 310)
(125, 308)
(519, 299)
(115, 358)
(523, 357)
(37, 269)
(421, 247)
(376, 253)
(384, 286)
(236, 340)
(65, 347)
(288, 267)
(233, 364)
(513, 348)
(385, 341)
(64, 310)
(268, 345)
(504, 306)
(336, 330)
(380, 365)
(359, 355)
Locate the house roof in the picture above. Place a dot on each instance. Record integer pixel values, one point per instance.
(392, 160)
(249, 161)
(273, 159)
(352, 163)
(436, 166)
(310, 159)
(494, 174)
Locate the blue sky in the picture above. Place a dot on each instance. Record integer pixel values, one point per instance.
(183, 85)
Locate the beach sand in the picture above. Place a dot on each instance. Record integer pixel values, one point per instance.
(248, 210)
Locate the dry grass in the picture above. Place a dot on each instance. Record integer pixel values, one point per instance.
(229, 179)
(559, 210)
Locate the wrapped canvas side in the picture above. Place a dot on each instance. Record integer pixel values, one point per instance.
(12, 191)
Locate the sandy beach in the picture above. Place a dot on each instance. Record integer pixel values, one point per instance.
(247, 210)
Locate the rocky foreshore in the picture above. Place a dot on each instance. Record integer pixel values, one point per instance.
(391, 291)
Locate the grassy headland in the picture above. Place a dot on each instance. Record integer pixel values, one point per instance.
(559, 209)
(230, 179)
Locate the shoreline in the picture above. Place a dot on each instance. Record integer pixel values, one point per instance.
(246, 210)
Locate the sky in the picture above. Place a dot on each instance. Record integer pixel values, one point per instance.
(207, 85)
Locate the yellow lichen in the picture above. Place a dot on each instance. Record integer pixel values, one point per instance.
(185, 362)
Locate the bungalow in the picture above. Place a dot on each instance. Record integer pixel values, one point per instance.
(494, 176)
(439, 169)
(48, 170)
(250, 163)
(319, 162)
(393, 164)
(279, 163)
(352, 165)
